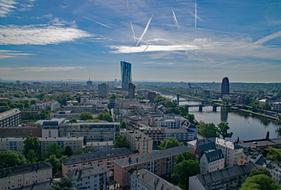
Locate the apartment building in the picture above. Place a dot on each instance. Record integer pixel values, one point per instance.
(91, 131)
(31, 176)
(20, 132)
(17, 144)
(10, 118)
(159, 162)
(233, 153)
(138, 141)
(225, 179)
(93, 178)
(145, 180)
(211, 161)
(101, 158)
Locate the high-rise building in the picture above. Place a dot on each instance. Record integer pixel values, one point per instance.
(126, 74)
(103, 90)
(225, 86)
(131, 91)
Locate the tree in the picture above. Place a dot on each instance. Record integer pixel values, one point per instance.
(63, 184)
(207, 130)
(86, 116)
(260, 182)
(274, 154)
(169, 143)
(185, 156)
(55, 162)
(11, 159)
(105, 116)
(183, 170)
(54, 149)
(258, 171)
(31, 149)
(121, 141)
(190, 118)
(68, 151)
(123, 125)
(222, 130)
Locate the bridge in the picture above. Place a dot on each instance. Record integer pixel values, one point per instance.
(200, 106)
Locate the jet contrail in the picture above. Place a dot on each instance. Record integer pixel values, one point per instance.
(133, 31)
(144, 32)
(175, 19)
(195, 14)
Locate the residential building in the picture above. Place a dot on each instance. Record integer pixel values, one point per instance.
(10, 118)
(80, 108)
(91, 131)
(103, 90)
(36, 176)
(67, 115)
(131, 91)
(93, 178)
(211, 161)
(233, 153)
(274, 169)
(126, 74)
(159, 162)
(101, 158)
(138, 141)
(50, 128)
(20, 132)
(145, 180)
(225, 179)
(17, 144)
(276, 106)
(156, 133)
(200, 146)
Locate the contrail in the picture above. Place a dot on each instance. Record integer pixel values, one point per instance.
(268, 38)
(195, 14)
(175, 19)
(144, 32)
(133, 31)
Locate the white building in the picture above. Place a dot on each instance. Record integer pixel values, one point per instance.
(138, 141)
(276, 106)
(233, 153)
(10, 118)
(211, 160)
(32, 176)
(93, 178)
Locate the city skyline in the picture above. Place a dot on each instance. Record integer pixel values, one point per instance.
(175, 40)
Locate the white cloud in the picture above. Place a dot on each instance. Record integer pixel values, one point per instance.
(5, 54)
(153, 48)
(39, 35)
(6, 6)
(40, 69)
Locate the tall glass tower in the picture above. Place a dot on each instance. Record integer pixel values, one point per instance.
(126, 74)
(225, 86)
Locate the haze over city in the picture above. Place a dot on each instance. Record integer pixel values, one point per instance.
(171, 40)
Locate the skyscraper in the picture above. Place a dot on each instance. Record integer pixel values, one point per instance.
(126, 74)
(225, 86)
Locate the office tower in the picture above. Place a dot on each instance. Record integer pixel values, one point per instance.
(225, 86)
(103, 90)
(131, 91)
(89, 83)
(126, 74)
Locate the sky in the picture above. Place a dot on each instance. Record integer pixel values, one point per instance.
(165, 40)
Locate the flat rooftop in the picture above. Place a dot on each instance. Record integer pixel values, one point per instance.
(9, 113)
(155, 155)
(98, 155)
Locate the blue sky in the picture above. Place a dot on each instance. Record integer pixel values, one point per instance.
(165, 40)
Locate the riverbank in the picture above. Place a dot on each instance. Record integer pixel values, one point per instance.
(255, 113)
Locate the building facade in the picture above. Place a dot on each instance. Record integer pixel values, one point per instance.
(211, 161)
(131, 91)
(126, 74)
(103, 90)
(32, 176)
(10, 118)
(225, 86)
(138, 141)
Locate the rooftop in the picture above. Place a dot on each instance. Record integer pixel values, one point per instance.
(98, 155)
(213, 155)
(227, 173)
(8, 113)
(12, 171)
(151, 180)
(155, 155)
(87, 172)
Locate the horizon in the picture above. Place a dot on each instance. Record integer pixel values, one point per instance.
(187, 40)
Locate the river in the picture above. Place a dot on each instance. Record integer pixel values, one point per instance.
(244, 126)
